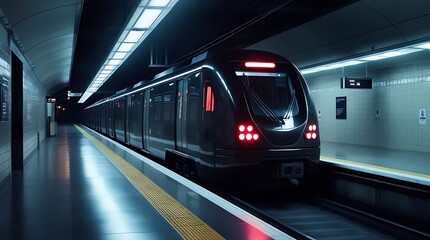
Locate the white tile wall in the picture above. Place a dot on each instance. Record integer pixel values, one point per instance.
(34, 110)
(399, 92)
(5, 129)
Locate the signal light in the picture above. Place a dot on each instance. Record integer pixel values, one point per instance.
(311, 134)
(260, 65)
(246, 133)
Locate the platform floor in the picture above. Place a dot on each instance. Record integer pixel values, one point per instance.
(403, 165)
(72, 189)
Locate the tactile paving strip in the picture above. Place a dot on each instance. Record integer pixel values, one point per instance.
(182, 220)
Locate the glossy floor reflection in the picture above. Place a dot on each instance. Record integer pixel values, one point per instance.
(70, 191)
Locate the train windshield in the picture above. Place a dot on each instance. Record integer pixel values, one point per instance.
(271, 94)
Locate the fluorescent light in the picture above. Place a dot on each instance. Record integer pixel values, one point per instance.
(119, 55)
(109, 67)
(106, 72)
(340, 64)
(159, 3)
(350, 63)
(306, 71)
(389, 54)
(147, 18)
(371, 57)
(425, 46)
(114, 62)
(134, 36)
(103, 75)
(125, 47)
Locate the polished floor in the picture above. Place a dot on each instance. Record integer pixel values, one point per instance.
(403, 165)
(70, 190)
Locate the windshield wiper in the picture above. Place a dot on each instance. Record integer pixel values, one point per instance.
(290, 107)
(266, 110)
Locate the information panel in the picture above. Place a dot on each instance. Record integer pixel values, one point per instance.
(354, 82)
(4, 99)
(340, 107)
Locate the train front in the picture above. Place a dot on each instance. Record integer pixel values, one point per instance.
(273, 121)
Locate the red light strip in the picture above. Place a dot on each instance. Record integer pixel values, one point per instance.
(259, 65)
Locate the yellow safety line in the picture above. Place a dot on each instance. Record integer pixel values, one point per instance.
(376, 167)
(188, 225)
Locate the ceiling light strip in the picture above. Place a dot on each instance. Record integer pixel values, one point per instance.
(146, 17)
(369, 57)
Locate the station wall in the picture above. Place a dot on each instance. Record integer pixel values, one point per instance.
(5, 126)
(34, 110)
(385, 116)
(34, 128)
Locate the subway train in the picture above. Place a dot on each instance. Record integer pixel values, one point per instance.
(241, 114)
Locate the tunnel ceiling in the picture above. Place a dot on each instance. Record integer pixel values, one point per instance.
(360, 27)
(191, 27)
(66, 41)
(45, 34)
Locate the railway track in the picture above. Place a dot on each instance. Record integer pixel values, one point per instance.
(307, 216)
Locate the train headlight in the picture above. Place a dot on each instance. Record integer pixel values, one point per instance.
(247, 133)
(311, 133)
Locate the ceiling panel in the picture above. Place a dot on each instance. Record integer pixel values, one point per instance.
(46, 32)
(354, 29)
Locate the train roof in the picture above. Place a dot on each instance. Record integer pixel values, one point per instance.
(230, 56)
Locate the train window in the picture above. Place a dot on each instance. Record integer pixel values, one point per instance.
(271, 93)
(157, 99)
(194, 98)
(167, 97)
(210, 99)
(168, 107)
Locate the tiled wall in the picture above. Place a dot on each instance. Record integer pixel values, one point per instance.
(34, 112)
(34, 109)
(5, 129)
(398, 93)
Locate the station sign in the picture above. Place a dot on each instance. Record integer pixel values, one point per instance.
(341, 107)
(51, 100)
(422, 116)
(356, 82)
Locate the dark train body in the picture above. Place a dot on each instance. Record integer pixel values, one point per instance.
(243, 113)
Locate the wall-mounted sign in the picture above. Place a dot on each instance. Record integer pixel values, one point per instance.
(340, 107)
(356, 82)
(422, 116)
(4, 99)
(51, 100)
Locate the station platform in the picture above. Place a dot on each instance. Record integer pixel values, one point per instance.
(402, 165)
(79, 185)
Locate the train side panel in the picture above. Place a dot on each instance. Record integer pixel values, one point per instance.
(161, 119)
(135, 118)
(119, 116)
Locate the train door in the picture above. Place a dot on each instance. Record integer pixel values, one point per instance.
(110, 118)
(181, 110)
(127, 118)
(145, 122)
(194, 114)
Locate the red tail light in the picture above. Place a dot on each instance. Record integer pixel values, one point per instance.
(247, 133)
(311, 132)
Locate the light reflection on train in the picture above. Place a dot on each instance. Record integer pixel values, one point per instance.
(236, 114)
